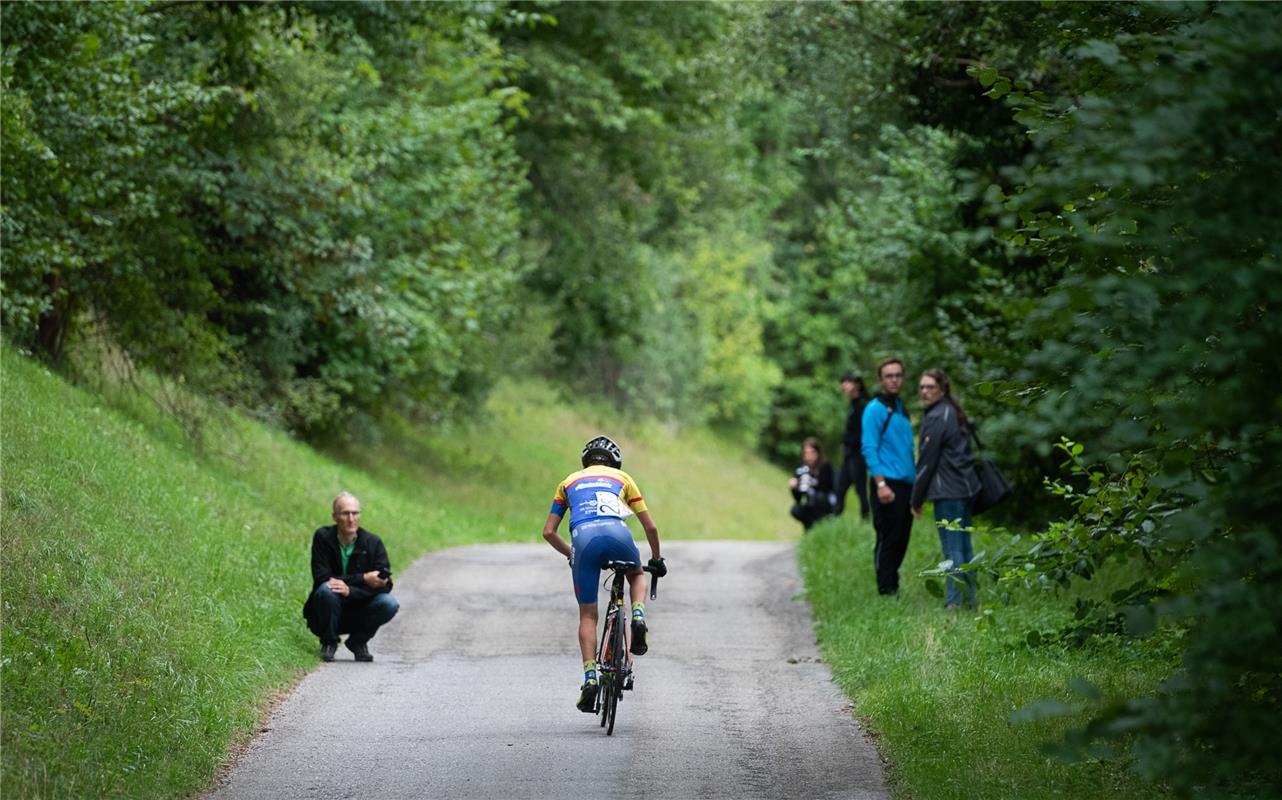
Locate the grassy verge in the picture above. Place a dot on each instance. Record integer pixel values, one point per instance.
(151, 595)
(937, 690)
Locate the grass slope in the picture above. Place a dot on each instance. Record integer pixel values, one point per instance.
(937, 689)
(151, 595)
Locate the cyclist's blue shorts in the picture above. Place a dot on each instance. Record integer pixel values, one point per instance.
(594, 543)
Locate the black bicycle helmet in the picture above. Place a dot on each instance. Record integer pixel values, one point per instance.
(602, 450)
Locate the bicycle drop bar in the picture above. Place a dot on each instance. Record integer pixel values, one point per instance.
(654, 584)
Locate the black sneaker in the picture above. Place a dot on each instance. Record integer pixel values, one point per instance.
(328, 649)
(361, 651)
(639, 646)
(587, 697)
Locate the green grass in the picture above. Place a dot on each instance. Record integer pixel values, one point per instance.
(152, 595)
(937, 690)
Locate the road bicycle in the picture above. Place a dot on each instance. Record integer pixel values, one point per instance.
(614, 661)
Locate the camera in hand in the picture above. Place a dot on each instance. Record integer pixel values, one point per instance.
(805, 483)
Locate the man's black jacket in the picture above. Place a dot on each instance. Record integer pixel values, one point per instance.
(327, 562)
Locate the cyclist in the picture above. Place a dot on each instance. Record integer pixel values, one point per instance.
(598, 498)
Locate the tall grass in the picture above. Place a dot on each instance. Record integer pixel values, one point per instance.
(937, 689)
(152, 594)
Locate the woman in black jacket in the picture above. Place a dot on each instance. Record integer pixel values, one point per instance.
(946, 476)
(812, 485)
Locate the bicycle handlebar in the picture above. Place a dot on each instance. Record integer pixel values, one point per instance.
(654, 583)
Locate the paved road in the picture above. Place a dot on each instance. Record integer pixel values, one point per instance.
(472, 693)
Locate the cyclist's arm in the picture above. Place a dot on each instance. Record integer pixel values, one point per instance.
(553, 538)
(651, 532)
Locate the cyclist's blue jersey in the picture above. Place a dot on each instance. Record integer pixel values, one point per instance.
(597, 493)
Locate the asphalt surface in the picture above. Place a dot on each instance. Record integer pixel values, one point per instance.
(471, 694)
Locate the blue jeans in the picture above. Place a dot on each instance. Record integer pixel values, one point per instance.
(330, 615)
(951, 517)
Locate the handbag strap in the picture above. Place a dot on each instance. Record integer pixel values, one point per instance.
(974, 434)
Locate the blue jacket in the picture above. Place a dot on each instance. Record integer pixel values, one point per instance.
(889, 455)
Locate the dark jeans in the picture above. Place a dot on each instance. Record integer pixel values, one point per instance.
(953, 519)
(893, 522)
(330, 615)
(853, 475)
(815, 509)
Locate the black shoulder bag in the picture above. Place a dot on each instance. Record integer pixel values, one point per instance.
(993, 486)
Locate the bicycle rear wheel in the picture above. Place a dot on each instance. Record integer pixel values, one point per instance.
(618, 663)
(604, 681)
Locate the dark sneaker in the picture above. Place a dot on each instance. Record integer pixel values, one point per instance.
(328, 649)
(361, 651)
(639, 646)
(587, 697)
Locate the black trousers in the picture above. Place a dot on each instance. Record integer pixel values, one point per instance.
(853, 475)
(893, 522)
(811, 512)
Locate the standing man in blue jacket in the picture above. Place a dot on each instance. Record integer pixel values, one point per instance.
(888, 452)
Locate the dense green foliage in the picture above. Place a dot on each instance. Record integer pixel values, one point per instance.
(345, 215)
(643, 210)
(308, 210)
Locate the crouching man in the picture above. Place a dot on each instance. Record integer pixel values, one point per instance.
(351, 583)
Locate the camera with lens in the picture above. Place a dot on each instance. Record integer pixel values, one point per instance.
(805, 483)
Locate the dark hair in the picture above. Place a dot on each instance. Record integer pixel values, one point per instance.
(851, 377)
(819, 448)
(887, 362)
(945, 386)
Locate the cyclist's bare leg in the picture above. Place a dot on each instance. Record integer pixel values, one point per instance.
(637, 586)
(587, 630)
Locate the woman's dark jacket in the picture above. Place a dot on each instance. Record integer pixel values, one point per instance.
(368, 555)
(945, 461)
